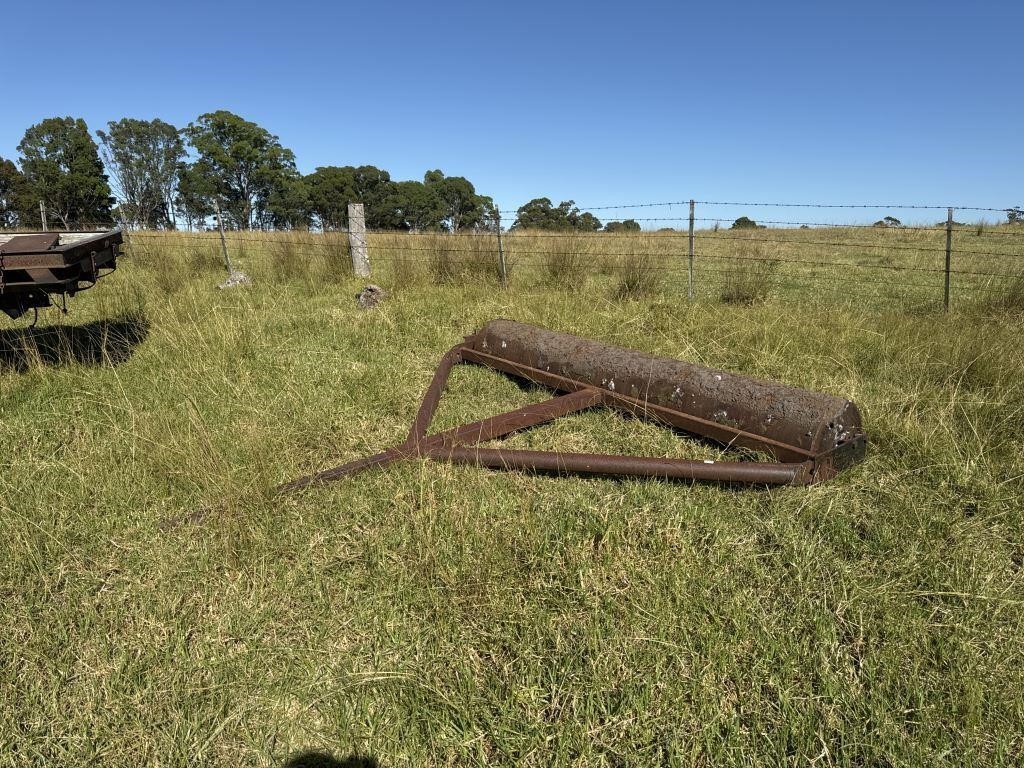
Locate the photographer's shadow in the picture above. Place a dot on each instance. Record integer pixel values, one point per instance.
(317, 759)
(101, 342)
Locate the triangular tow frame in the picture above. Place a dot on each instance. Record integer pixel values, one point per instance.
(460, 445)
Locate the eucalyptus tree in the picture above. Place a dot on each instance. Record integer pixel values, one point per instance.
(143, 158)
(12, 189)
(238, 164)
(61, 167)
(540, 213)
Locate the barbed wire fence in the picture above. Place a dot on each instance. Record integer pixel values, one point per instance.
(697, 250)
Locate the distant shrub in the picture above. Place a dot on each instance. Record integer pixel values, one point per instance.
(889, 221)
(744, 223)
(1015, 215)
(629, 225)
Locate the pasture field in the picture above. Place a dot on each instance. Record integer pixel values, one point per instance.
(162, 606)
(892, 269)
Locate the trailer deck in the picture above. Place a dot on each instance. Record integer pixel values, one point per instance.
(35, 267)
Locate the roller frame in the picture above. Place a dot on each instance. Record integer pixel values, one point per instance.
(818, 454)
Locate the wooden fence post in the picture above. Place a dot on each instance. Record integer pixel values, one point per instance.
(223, 239)
(689, 273)
(357, 240)
(42, 213)
(949, 251)
(502, 271)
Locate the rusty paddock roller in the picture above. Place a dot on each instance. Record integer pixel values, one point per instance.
(811, 435)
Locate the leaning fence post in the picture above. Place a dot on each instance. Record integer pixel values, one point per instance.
(949, 251)
(689, 273)
(501, 251)
(42, 213)
(223, 239)
(357, 240)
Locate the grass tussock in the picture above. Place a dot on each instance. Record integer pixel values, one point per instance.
(639, 276)
(568, 264)
(436, 258)
(557, 259)
(470, 257)
(1003, 297)
(310, 260)
(750, 277)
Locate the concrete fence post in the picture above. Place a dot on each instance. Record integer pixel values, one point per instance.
(357, 240)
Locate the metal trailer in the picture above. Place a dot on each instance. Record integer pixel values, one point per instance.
(810, 435)
(36, 267)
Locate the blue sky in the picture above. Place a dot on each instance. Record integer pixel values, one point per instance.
(598, 102)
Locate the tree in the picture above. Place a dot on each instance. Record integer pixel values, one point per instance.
(417, 206)
(238, 162)
(539, 213)
(890, 222)
(62, 167)
(744, 223)
(490, 220)
(12, 194)
(629, 225)
(1015, 215)
(462, 207)
(143, 158)
(332, 188)
(288, 204)
(374, 188)
(193, 200)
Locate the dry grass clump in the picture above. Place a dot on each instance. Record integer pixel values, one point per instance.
(570, 261)
(172, 259)
(434, 258)
(638, 276)
(308, 258)
(1003, 296)
(750, 277)
(468, 256)
(562, 260)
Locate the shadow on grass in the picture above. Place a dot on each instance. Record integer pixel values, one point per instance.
(317, 759)
(102, 342)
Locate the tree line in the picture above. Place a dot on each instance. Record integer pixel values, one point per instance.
(148, 174)
(164, 178)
